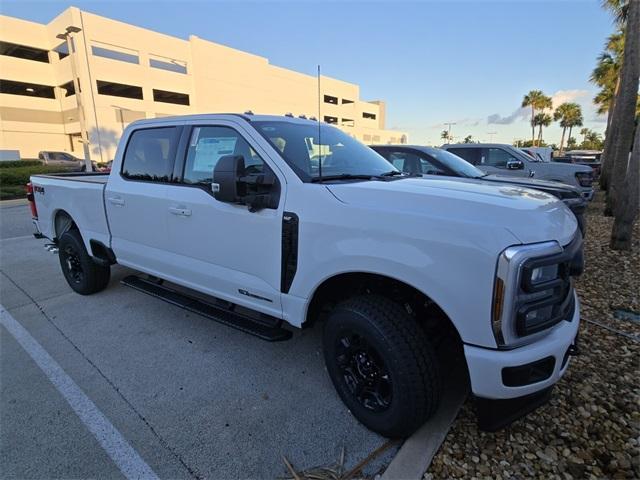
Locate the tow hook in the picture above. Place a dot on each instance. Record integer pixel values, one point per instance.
(52, 248)
(574, 351)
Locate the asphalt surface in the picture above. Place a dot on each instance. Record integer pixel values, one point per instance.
(193, 398)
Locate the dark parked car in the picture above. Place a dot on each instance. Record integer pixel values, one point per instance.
(419, 160)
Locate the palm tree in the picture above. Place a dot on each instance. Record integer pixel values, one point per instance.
(606, 74)
(468, 139)
(569, 115)
(623, 193)
(584, 132)
(537, 101)
(574, 118)
(445, 136)
(542, 120)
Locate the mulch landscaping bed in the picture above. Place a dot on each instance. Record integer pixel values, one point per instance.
(591, 427)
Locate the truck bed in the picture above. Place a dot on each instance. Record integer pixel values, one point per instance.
(80, 195)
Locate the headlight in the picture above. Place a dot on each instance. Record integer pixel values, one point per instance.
(544, 274)
(585, 179)
(533, 289)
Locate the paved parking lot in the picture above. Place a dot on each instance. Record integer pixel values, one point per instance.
(193, 398)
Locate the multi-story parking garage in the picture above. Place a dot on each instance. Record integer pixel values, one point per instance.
(83, 76)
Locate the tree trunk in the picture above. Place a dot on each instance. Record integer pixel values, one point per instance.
(622, 232)
(622, 123)
(564, 130)
(533, 127)
(539, 134)
(607, 159)
(569, 139)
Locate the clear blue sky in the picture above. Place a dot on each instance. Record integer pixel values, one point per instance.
(433, 62)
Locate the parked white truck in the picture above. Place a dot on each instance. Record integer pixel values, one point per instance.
(398, 269)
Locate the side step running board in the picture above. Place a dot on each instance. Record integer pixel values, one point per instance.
(271, 333)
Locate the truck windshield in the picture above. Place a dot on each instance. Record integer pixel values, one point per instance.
(303, 147)
(459, 165)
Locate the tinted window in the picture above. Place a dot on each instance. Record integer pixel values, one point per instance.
(150, 154)
(471, 155)
(304, 145)
(208, 144)
(496, 157)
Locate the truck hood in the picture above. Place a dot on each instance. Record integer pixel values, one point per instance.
(529, 215)
(558, 189)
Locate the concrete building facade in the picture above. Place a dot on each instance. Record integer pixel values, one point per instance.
(86, 73)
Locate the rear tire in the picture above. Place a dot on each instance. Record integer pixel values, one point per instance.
(82, 273)
(382, 365)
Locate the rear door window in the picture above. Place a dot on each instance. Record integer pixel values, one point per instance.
(471, 155)
(150, 154)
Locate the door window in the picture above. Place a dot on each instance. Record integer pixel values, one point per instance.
(471, 155)
(496, 157)
(208, 144)
(150, 154)
(429, 168)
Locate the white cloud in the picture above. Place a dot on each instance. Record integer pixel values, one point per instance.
(563, 96)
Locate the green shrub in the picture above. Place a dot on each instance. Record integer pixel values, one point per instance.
(20, 175)
(20, 163)
(8, 192)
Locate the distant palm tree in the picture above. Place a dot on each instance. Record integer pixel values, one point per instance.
(542, 120)
(569, 115)
(584, 132)
(445, 136)
(468, 139)
(537, 100)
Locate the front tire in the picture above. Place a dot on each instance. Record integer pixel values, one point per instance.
(382, 365)
(82, 273)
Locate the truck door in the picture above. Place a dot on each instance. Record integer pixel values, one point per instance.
(136, 202)
(223, 248)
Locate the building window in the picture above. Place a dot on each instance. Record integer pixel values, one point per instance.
(22, 51)
(330, 99)
(170, 97)
(329, 119)
(370, 116)
(27, 89)
(376, 138)
(349, 122)
(70, 88)
(346, 101)
(169, 65)
(130, 56)
(62, 50)
(366, 137)
(119, 90)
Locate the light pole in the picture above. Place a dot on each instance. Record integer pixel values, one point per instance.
(449, 134)
(66, 36)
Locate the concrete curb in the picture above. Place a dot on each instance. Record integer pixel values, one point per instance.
(15, 201)
(417, 452)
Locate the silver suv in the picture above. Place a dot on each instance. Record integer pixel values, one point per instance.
(503, 159)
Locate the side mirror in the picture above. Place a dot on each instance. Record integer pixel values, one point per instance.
(515, 165)
(226, 174)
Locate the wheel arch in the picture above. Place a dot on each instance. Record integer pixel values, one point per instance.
(63, 222)
(340, 286)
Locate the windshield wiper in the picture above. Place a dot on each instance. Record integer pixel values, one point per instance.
(342, 176)
(390, 173)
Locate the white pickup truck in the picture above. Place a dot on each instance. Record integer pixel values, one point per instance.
(242, 208)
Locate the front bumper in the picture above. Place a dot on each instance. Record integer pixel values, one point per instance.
(587, 193)
(486, 365)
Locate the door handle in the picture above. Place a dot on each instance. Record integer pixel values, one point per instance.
(181, 212)
(117, 201)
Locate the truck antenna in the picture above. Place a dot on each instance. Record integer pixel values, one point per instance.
(319, 142)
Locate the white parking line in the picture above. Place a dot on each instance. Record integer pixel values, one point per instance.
(123, 455)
